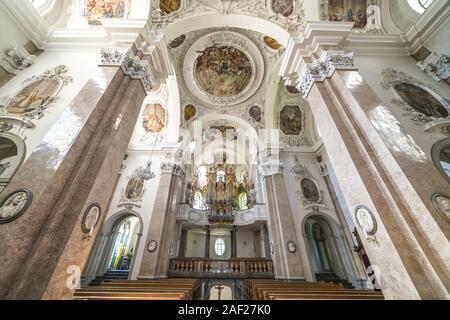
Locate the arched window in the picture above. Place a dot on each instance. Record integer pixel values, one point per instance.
(219, 246)
(242, 201)
(220, 176)
(441, 157)
(199, 201)
(419, 5)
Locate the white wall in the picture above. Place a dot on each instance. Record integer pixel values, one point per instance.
(81, 65)
(11, 35)
(407, 136)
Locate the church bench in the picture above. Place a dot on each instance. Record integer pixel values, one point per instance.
(266, 294)
(130, 295)
(311, 296)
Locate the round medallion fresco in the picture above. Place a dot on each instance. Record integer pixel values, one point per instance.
(223, 71)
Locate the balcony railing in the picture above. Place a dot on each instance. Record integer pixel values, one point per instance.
(208, 268)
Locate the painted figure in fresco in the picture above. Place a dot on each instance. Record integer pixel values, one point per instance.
(134, 188)
(13, 205)
(309, 190)
(272, 43)
(32, 97)
(223, 71)
(291, 120)
(169, 6)
(189, 112)
(154, 118)
(421, 100)
(255, 113)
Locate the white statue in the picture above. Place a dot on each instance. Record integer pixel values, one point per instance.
(373, 18)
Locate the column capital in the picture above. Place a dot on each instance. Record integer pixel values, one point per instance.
(172, 168)
(270, 169)
(131, 65)
(322, 68)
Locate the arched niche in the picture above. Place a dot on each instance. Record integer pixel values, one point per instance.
(101, 255)
(328, 253)
(12, 155)
(440, 154)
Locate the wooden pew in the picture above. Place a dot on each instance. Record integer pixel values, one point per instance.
(161, 289)
(301, 290)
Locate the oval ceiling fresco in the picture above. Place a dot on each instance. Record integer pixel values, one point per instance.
(421, 100)
(272, 43)
(223, 71)
(283, 7)
(169, 6)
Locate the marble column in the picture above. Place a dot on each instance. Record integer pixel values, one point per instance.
(233, 242)
(183, 239)
(162, 227)
(287, 265)
(207, 241)
(70, 170)
(410, 247)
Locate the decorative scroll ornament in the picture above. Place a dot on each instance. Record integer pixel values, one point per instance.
(16, 60)
(131, 65)
(437, 66)
(309, 190)
(134, 190)
(323, 68)
(291, 21)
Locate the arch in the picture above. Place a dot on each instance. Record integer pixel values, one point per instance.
(98, 261)
(217, 20)
(440, 157)
(8, 169)
(342, 261)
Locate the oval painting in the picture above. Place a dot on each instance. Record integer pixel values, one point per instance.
(154, 118)
(178, 41)
(272, 43)
(134, 189)
(283, 7)
(309, 190)
(421, 100)
(34, 96)
(189, 112)
(255, 113)
(292, 89)
(223, 71)
(169, 6)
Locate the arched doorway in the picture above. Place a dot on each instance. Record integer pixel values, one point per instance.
(12, 153)
(124, 244)
(115, 250)
(326, 258)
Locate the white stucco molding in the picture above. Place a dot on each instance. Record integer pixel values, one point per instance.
(28, 20)
(131, 65)
(323, 68)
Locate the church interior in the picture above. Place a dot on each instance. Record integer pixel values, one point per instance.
(224, 150)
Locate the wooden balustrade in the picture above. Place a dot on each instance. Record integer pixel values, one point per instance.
(233, 268)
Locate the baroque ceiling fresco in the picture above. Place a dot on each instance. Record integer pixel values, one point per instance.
(289, 14)
(101, 9)
(225, 69)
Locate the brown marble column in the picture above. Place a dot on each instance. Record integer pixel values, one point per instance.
(75, 166)
(409, 246)
(234, 242)
(162, 227)
(207, 241)
(183, 239)
(287, 265)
